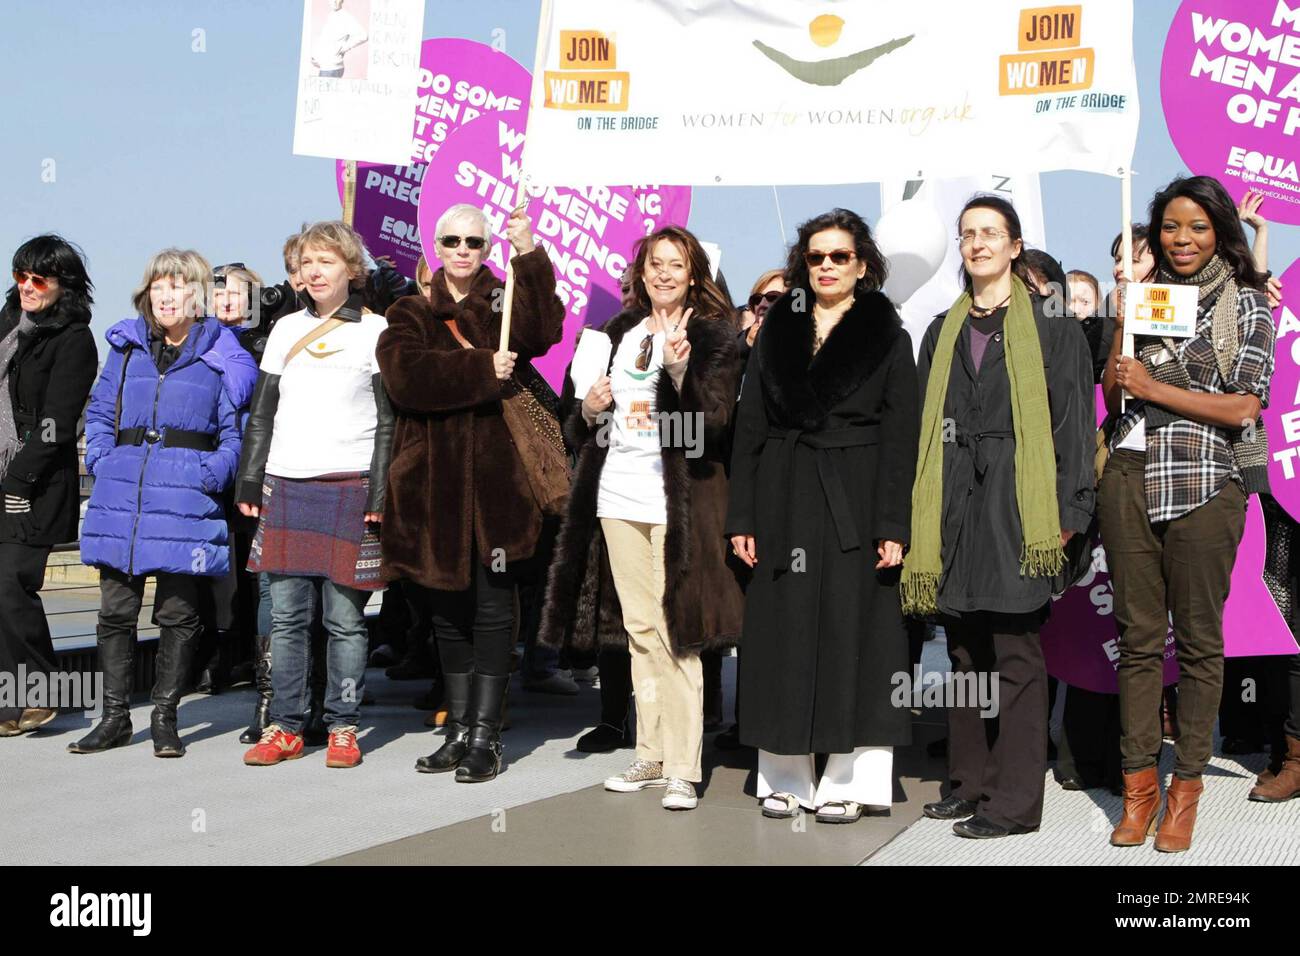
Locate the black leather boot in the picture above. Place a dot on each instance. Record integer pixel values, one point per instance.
(482, 761)
(175, 655)
(116, 658)
(456, 742)
(262, 680)
(207, 661)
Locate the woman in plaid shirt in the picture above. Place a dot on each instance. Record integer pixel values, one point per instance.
(1185, 456)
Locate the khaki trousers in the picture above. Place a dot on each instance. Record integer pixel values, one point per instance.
(669, 689)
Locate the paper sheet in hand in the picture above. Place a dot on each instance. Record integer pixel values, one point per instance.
(590, 360)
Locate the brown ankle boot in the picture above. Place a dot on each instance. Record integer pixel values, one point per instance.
(1141, 804)
(1286, 784)
(1175, 833)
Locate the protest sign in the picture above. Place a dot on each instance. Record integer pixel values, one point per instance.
(1161, 310)
(697, 93)
(458, 81)
(356, 78)
(588, 233)
(1230, 85)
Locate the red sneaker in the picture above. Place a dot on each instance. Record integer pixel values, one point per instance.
(275, 745)
(343, 750)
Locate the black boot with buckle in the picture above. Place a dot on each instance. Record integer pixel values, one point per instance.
(482, 762)
(456, 742)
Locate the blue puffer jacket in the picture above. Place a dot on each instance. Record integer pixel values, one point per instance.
(158, 508)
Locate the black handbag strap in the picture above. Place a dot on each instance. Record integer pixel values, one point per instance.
(117, 408)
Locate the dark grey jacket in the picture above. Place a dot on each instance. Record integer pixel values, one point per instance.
(981, 521)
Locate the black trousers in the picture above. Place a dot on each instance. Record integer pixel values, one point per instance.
(999, 761)
(1089, 747)
(475, 627)
(24, 631)
(175, 603)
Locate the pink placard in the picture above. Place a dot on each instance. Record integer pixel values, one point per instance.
(459, 81)
(588, 233)
(1230, 86)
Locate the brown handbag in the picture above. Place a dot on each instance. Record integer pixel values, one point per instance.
(531, 410)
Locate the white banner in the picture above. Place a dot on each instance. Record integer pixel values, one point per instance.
(751, 92)
(941, 200)
(357, 72)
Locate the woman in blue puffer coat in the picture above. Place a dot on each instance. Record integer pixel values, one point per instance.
(163, 435)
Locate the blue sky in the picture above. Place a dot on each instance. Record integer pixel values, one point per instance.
(155, 144)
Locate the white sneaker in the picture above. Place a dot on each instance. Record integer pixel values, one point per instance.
(642, 774)
(680, 795)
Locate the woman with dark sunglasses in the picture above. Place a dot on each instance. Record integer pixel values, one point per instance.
(641, 558)
(47, 366)
(462, 514)
(821, 477)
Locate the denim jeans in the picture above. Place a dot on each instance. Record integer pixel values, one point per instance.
(292, 603)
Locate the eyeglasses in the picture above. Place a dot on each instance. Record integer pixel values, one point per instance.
(451, 242)
(39, 283)
(647, 347)
(986, 235)
(769, 297)
(841, 257)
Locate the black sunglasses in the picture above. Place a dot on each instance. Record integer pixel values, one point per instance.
(841, 257)
(220, 272)
(768, 297)
(451, 242)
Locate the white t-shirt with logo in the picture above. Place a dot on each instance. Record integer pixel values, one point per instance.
(632, 481)
(325, 420)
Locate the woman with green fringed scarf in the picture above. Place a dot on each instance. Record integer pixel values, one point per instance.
(1003, 480)
(1186, 454)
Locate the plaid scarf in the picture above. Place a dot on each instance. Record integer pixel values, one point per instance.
(1035, 460)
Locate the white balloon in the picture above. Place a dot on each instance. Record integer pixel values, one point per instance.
(914, 241)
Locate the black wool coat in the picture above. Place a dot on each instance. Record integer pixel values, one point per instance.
(821, 472)
(50, 376)
(981, 533)
(703, 601)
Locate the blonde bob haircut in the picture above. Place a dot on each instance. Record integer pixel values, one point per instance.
(184, 264)
(340, 238)
(765, 279)
(424, 276)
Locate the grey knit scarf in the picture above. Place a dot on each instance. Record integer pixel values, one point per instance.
(10, 442)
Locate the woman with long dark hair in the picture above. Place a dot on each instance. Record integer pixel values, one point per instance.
(1185, 456)
(648, 505)
(821, 483)
(47, 365)
(1004, 479)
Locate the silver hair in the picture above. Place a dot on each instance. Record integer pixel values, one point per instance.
(463, 210)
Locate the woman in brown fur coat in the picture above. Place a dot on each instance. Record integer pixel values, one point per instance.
(642, 556)
(460, 508)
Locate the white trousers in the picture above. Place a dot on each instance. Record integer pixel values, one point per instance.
(865, 776)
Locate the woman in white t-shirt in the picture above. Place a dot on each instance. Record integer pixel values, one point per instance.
(314, 470)
(649, 502)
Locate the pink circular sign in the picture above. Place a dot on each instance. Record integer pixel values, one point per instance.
(589, 233)
(1230, 86)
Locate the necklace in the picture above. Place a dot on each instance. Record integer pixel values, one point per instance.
(977, 312)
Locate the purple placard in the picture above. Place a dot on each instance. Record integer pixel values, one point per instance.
(459, 81)
(589, 233)
(1243, 127)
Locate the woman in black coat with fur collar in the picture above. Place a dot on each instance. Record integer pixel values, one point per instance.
(47, 365)
(821, 482)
